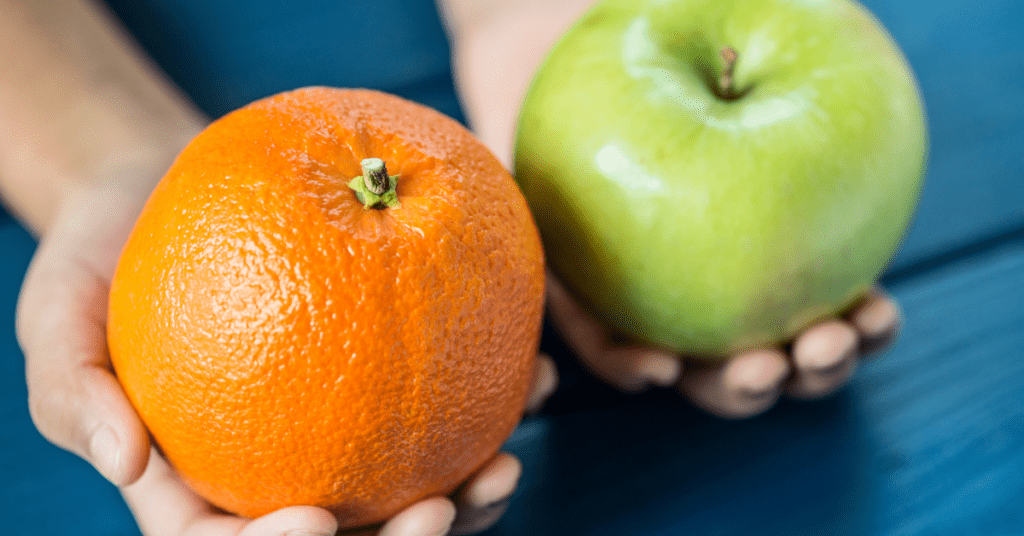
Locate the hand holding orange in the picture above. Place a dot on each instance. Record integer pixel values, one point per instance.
(287, 344)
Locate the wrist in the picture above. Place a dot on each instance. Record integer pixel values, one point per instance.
(40, 183)
(78, 103)
(495, 53)
(462, 17)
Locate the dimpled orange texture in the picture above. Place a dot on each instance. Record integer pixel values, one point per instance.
(286, 346)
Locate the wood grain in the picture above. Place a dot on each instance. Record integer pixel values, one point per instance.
(928, 439)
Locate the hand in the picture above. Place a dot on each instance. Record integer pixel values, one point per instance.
(78, 404)
(821, 359)
(496, 49)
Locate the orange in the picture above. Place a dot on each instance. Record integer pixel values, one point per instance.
(285, 345)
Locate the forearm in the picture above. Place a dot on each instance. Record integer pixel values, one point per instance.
(497, 46)
(79, 105)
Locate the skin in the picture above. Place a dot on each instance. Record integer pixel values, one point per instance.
(87, 128)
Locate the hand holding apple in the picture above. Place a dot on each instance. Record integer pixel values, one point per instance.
(714, 177)
(494, 60)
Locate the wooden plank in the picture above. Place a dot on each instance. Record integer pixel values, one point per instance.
(967, 58)
(929, 439)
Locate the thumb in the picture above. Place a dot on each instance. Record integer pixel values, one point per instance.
(84, 411)
(74, 399)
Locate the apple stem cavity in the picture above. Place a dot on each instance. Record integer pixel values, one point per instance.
(375, 188)
(726, 84)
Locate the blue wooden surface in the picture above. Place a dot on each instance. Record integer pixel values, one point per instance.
(929, 438)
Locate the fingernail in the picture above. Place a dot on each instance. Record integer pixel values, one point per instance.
(660, 370)
(105, 451)
(491, 491)
(826, 348)
(446, 522)
(302, 532)
(877, 318)
(757, 374)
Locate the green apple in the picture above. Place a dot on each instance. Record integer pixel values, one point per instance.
(715, 175)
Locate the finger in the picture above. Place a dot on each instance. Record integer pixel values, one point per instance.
(486, 496)
(586, 335)
(824, 359)
(477, 520)
(293, 521)
(629, 368)
(545, 380)
(74, 399)
(163, 504)
(85, 411)
(743, 386)
(633, 368)
(431, 517)
(877, 320)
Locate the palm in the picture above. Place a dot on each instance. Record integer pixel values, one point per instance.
(820, 361)
(494, 65)
(78, 404)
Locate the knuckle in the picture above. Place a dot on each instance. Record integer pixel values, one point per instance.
(52, 410)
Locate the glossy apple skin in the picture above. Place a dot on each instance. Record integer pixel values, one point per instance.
(708, 226)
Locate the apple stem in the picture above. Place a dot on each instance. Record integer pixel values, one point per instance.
(725, 81)
(375, 188)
